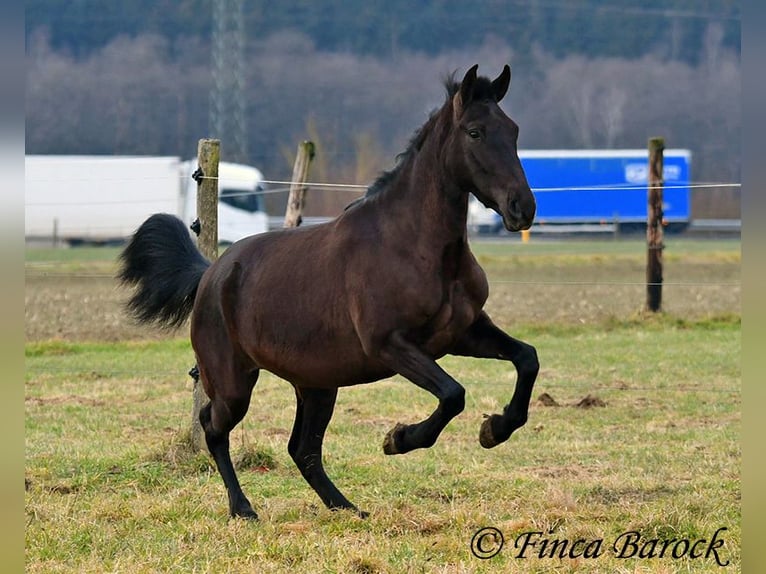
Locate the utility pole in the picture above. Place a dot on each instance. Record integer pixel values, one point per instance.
(228, 112)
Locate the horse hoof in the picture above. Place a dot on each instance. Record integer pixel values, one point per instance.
(352, 508)
(245, 514)
(389, 443)
(486, 436)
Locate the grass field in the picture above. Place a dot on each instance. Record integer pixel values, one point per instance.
(111, 486)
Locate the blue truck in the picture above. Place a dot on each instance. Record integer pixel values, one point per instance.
(597, 187)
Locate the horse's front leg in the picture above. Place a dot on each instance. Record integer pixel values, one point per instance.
(412, 363)
(484, 340)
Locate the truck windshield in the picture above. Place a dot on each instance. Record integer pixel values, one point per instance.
(241, 199)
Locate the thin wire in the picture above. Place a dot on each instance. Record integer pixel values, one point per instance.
(610, 187)
(618, 283)
(302, 183)
(317, 184)
(469, 384)
(32, 272)
(360, 188)
(618, 187)
(605, 187)
(259, 192)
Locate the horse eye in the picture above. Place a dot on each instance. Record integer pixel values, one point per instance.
(475, 134)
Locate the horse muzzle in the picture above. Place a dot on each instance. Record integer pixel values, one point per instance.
(519, 213)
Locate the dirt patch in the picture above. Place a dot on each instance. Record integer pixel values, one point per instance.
(608, 495)
(80, 308)
(88, 304)
(589, 401)
(69, 399)
(547, 401)
(365, 566)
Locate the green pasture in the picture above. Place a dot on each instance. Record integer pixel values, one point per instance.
(538, 245)
(112, 486)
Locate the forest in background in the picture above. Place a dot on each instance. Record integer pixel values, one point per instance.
(358, 79)
(671, 29)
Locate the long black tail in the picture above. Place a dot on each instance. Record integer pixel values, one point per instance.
(163, 263)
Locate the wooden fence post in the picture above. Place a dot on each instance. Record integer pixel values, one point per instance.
(654, 220)
(297, 198)
(208, 156)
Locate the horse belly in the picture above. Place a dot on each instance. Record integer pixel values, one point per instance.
(311, 354)
(330, 369)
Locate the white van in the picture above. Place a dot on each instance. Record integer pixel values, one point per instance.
(103, 199)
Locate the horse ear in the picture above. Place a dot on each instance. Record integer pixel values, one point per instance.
(501, 83)
(466, 86)
(465, 94)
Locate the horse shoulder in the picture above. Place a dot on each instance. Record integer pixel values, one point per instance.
(464, 296)
(474, 279)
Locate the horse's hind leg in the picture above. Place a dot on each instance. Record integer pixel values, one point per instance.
(312, 415)
(484, 340)
(218, 418)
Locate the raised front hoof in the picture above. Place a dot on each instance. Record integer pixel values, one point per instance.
(391, 444)
(488, 436)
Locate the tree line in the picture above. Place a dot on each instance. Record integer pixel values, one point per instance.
(671, 29)
(149, 93)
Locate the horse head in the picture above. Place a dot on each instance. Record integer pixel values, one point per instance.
(483, 151)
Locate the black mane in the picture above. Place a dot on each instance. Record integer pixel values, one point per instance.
(414, 145)
(482, 91)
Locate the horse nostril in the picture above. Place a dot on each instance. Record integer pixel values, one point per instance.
(513, 208)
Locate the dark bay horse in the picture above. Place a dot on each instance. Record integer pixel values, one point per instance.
(387, 287)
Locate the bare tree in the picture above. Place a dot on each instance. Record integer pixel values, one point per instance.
(144, 95)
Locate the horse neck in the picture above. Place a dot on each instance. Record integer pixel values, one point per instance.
(429, 206)
(442, 203)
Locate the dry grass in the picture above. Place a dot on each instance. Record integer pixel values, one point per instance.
(539, 283)
(113, 487)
